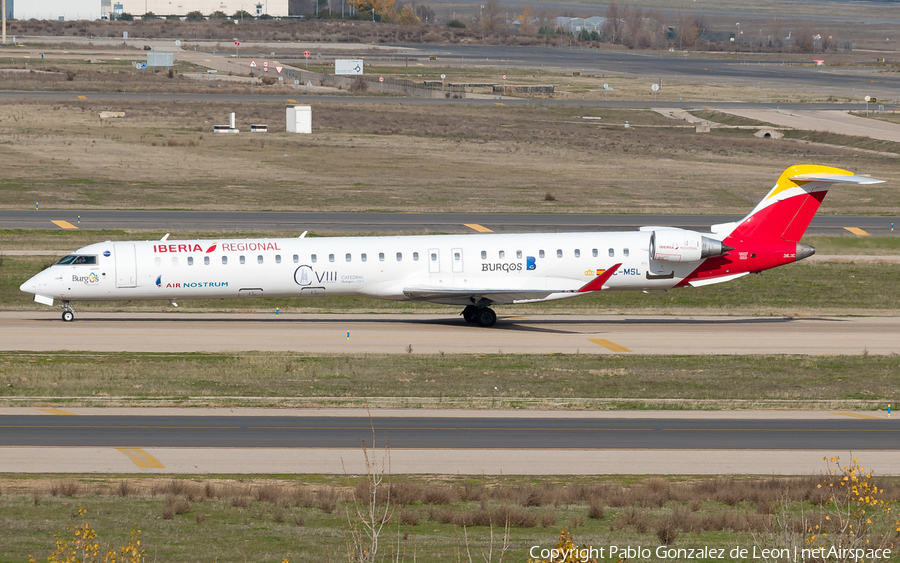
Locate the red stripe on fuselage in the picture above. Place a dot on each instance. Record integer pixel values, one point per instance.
(749, 255)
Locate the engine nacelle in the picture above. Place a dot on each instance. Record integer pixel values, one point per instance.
(677, 245)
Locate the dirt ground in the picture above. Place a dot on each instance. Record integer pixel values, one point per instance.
(400, 158)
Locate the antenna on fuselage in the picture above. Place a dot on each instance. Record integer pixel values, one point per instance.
(165, 237)
(303, 235)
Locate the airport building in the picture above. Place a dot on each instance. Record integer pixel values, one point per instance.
(275, 8)
(106, 9)
(53, 9)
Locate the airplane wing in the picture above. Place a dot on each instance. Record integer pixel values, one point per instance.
(496, 295)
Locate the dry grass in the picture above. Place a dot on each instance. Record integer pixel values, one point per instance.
(409, 158)
(711, 511)
(552, 381)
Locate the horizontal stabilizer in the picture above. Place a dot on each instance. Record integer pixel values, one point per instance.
(825, 178)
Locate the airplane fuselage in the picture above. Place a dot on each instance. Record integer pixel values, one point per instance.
(379, 267)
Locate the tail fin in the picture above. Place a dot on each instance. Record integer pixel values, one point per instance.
(786, 211)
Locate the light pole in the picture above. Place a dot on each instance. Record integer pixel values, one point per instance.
(4, 22)
(737, 38)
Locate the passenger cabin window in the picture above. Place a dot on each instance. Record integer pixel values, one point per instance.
(206, 260)
(224, 260)
(362, 256)
(484, 254)
(577, 253)
(540, 253)
(313, 258)
(296, 258)
(399, 256)
(190, 260)
(519, 254)
(594, 253)
(612, 252)
(502, 255)
(347, 257)
(278, 258)
(243, 260)
(331, 257)
(174, 260)
(415, 256)
(157, 261)
(558, 253)
(625, 252)
(259, 259)
(77, 259)
(381, 256)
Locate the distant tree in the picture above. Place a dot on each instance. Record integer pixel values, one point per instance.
(525, 25)
(172, 17)
(408, 16)
(126, 17)
(264, 17)
(218, 15)
(612, 27)
(456, 24)
(490, 16)
(425, 13)
(241, 14)
(595, 36)
(384, 9)
(149, 16)
(194, 16)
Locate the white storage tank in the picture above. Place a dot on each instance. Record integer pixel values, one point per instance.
(299, 119)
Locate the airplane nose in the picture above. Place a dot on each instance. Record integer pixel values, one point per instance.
(29, 286)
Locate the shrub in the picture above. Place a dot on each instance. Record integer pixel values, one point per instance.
(410, 517)
(67, 488)
(456, 24)
(666, 531)
(595, 512)
(548, 519)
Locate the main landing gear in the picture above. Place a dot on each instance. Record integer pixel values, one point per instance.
(68, 312)
(482, 316)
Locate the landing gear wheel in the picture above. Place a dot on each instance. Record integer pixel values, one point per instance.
(469, 313)
(68, 316)
(486, 317)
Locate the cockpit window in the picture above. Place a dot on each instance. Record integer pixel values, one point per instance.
(78, 259)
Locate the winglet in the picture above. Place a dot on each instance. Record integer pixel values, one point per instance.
(596, 284)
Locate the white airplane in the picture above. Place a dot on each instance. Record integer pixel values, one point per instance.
(476, 271)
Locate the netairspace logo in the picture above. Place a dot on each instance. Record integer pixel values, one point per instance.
(737, 553)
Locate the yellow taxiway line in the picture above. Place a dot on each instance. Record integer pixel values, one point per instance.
(478, 228)
(857, 231)
(141, 458)
(611, 346)
(64, 224)
(58, 412)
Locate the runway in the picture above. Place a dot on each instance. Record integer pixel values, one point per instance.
(465, 442)
(433, 334)
(368, 223)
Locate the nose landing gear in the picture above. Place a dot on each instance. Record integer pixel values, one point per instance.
(68, 312)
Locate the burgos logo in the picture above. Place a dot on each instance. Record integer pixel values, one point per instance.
(92, 278)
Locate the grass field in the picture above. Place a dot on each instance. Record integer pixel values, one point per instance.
(312, 518)
(405, 158)
(449, 380)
